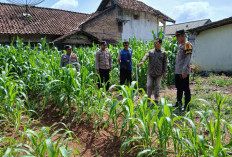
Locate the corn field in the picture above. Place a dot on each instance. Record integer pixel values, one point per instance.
(30, 79)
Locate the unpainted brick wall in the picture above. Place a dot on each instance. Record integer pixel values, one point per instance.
(104, 26)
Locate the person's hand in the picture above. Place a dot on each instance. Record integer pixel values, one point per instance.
(110, 69)
(164, 76)
(140, 64)
(98, 71)
(184, 76)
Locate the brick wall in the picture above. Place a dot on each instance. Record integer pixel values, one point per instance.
(4, 38)
(105, 26)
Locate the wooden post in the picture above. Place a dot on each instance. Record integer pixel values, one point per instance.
(164, 25)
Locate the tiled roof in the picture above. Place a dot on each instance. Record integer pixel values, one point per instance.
(42, 21)
(70, 33)
(216, 24)
(171, 29)
(140, 6)
(66, 35)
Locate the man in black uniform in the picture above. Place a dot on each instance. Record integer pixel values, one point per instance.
(182, 70)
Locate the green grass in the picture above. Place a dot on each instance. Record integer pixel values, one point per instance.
(215, 80)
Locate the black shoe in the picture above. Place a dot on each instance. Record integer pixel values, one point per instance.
(185, 108)
(177, 104)
(156, 102)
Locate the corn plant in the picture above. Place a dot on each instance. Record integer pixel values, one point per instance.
(41, 143)
(31, 79)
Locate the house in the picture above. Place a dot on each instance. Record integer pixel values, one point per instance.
(40, 23)
(171, 29)
(213, 48)
(114, 20)
(120, 20)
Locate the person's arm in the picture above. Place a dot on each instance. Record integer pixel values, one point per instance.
(188, 53)
(110, 61)
(97, 62)
(165, 65)
(119, 57)
(185, 69)
(144, 59)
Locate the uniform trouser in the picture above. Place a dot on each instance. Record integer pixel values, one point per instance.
(150, 83)
(125, 75)
(104, 77)
(182, 85)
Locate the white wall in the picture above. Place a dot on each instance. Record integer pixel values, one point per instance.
(141, 28)
(213, 50)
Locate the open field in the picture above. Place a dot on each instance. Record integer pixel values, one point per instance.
(51, 111)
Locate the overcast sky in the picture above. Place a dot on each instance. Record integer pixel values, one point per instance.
(180, 10)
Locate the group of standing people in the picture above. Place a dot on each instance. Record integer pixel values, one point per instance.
(103, 64)
(157, 67)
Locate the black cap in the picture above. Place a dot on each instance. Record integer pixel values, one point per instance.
(103, 43)
(125, 42)
(67, 47)
(180, 32)
(160, 40)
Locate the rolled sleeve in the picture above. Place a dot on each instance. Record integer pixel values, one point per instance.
(145, 58)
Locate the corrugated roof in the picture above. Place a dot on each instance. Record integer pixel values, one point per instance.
(171, 29)
(211, 25)
(42, 20)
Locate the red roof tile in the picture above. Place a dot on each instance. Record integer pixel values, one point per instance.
(140, 6)
(136, 5)
(42, 21)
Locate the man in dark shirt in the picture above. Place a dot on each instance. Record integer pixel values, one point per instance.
(124, 60)
(157, 68)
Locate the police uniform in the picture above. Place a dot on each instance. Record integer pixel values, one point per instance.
(182, 66)
(103, 63)
(70, 60)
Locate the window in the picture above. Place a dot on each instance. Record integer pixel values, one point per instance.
(136, 17)
(120, 26)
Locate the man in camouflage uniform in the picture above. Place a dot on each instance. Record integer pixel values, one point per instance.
(69, 58)
(157, 68)
(182, 71)
(103, 65)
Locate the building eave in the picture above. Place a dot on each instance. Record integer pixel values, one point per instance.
(211, 26)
